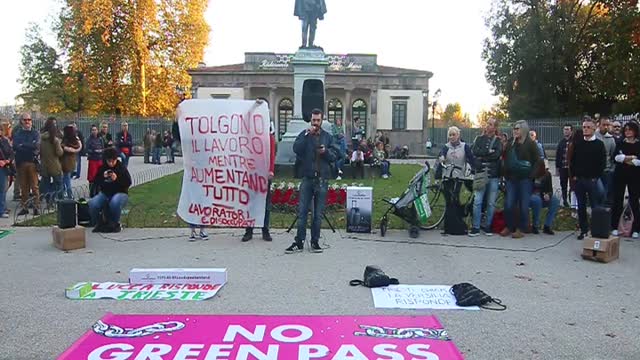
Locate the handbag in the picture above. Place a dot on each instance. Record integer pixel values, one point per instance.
(625, 226)
(468, 295)
(519, 168)
(374, 277)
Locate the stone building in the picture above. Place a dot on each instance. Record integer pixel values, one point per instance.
(390, 99)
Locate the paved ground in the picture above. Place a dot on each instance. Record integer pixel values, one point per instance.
(140, 173)
(560, 307)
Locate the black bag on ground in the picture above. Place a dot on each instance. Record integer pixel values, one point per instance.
(468, 295)
(374, 277)
(600, 222)
(454, 219)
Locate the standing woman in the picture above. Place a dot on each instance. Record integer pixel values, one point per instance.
(50, 153)
(6, 166)
(71, 145)
(626, 175)
(95, 147)
(522, 165)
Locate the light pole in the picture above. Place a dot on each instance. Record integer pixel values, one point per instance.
(434, 103)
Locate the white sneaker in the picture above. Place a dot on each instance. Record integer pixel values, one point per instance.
(340, 172)
(615, 233)
(635, 235)
(339, 178)
(385, 176)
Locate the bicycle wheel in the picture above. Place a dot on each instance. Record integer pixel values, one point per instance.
(437, 204)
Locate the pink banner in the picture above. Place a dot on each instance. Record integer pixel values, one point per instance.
(210, 337)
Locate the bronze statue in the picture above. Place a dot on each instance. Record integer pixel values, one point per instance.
(309, 11)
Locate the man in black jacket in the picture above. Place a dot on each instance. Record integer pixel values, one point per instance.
(587, 166)
(124, 142)
(316, 154)
(487, 151)
(113, 180)
(562, 163)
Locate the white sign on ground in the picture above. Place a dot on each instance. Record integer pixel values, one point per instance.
(416, 297)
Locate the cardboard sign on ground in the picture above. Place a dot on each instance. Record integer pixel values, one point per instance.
(416, 297)
(601, 250)
(124, 291)
(264, 337)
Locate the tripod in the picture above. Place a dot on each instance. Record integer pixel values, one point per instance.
(324, 215)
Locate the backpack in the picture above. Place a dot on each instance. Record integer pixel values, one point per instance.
(498, 223)
(454, 219)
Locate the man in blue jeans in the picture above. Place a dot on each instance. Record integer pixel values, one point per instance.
(316, 153)
(113, 180)
(487, 151)
(587, 168)
(543, 197)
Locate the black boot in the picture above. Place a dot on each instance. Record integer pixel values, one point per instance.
(265, 235)
(248, 235)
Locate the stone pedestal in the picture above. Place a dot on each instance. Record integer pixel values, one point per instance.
(308, 64)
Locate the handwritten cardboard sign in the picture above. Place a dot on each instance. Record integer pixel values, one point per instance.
(226, 150)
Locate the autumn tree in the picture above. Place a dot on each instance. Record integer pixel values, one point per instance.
(563, 58)
(453, 116)
(497, 111)
(129, 57)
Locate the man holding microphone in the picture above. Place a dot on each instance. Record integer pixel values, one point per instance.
(316, 154)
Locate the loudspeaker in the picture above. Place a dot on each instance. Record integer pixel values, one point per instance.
(312, 98)
(600, 222)
(66, 214)
(84, 218)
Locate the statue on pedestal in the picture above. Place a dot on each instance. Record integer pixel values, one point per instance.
(309, 12)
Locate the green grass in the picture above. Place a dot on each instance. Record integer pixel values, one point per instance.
(154, 204)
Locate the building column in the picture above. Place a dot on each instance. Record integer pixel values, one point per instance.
(347, 121)
(373, 101)
(273, 107)
(247, 93)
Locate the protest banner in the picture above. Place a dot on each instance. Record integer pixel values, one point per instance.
(416, 297)
(126, 291)
(200, 337)
(226, 150)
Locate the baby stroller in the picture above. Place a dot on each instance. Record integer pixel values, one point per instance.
(412, 206)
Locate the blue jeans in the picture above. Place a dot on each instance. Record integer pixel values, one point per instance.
(66, 182)
(491, 192)
(607, 187)
(125, 159)
(537, 203)
(78, 165)
(156, 155)
(51, 187)
(384, 167)
(4, 174)
(116, 203)
(517, 198)
(313, 192)
(591, 188)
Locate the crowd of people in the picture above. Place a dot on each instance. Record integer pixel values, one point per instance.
(597, 163)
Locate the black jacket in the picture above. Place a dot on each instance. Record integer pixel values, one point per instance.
(588, 160)
(123, 143)
(484, 157)
(561, 152)
(305, 147)
(94, 147)
(110, 188)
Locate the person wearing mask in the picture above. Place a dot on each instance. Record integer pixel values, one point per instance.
(562, 162)
(124, 143)
(543, 197)
(266, 236)
(588, 162)
(71, 146)
(316, 153)
(50, 153)
(95, 147)
(522, 165)
(487, 151)
(603, 134)
(458, 154)
(626, 177)
(113, 180)
(6, 168)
